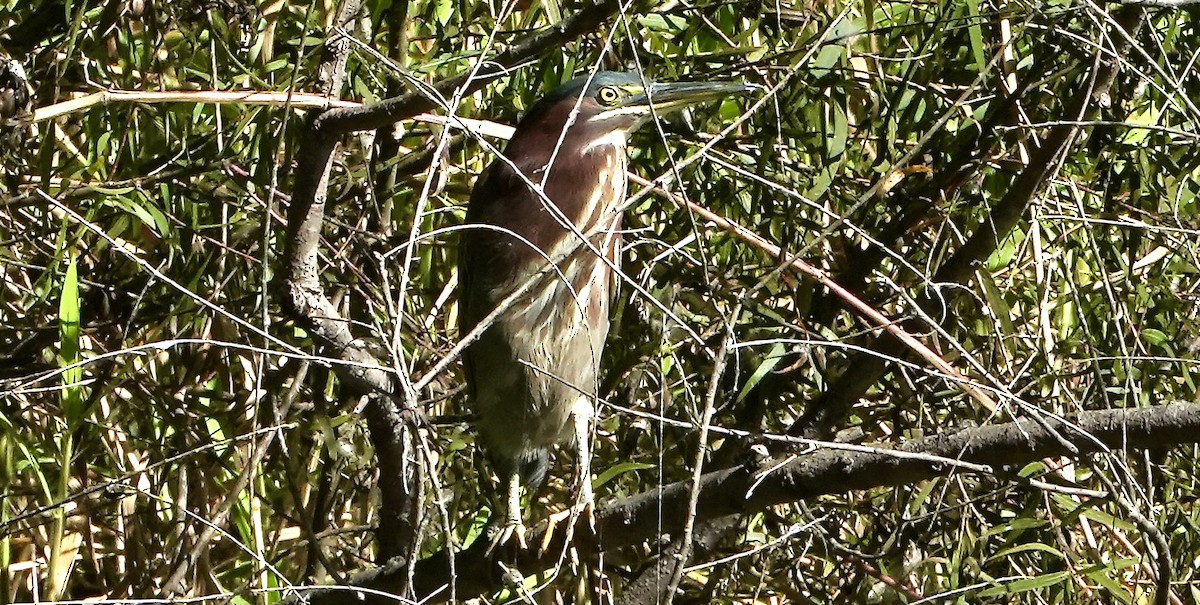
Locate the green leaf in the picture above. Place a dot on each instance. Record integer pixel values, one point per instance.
(1024, 548)
(1032, 469)
(443, 10)
(1026, 584)
(1000, 258)
(149, 215)
(975, 32)
(840, 132)
(478, 524)
(616, 470)
(662, 23)
(68, 333)
(999, 310)
(771, 360)
(1157, 338)
(829, 56)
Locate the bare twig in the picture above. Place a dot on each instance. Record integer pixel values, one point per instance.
(864, 310)
(266, 98)
(689, 523)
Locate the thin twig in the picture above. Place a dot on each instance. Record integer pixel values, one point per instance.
(298, 100)
(689, 523)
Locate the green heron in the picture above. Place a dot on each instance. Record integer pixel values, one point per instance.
(532, 375)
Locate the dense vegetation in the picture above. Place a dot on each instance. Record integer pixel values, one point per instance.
(964, 229)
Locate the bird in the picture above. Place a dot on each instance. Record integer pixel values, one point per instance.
(532, 374)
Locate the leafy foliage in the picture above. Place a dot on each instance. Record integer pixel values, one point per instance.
(144, 240)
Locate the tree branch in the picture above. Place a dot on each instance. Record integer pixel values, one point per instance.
(741, 490)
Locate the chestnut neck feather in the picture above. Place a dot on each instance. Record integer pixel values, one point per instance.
(504, 199)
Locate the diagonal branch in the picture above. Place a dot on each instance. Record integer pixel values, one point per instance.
(864, 370)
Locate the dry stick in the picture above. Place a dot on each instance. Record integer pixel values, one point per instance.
(866, 311)
(213, 97)
(392, 432)
(297, 100)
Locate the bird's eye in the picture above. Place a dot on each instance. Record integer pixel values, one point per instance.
(609, 95)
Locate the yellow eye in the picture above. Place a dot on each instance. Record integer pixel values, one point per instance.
(608, 95)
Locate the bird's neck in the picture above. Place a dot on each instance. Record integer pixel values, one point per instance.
(582, 174)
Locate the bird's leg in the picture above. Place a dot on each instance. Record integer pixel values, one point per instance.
(581, 418)
(581, 414)
(512, 525)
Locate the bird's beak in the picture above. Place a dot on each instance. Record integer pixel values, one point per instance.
(668, 96)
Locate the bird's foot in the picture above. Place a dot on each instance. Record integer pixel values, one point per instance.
(582, 508)
(510, 530)
(512, 526)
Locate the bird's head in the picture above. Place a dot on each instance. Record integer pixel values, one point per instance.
(613, 104)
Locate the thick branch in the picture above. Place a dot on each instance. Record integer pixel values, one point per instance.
(399, 478)
(739, 491)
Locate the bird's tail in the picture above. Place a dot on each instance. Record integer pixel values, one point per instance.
(534, 465)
